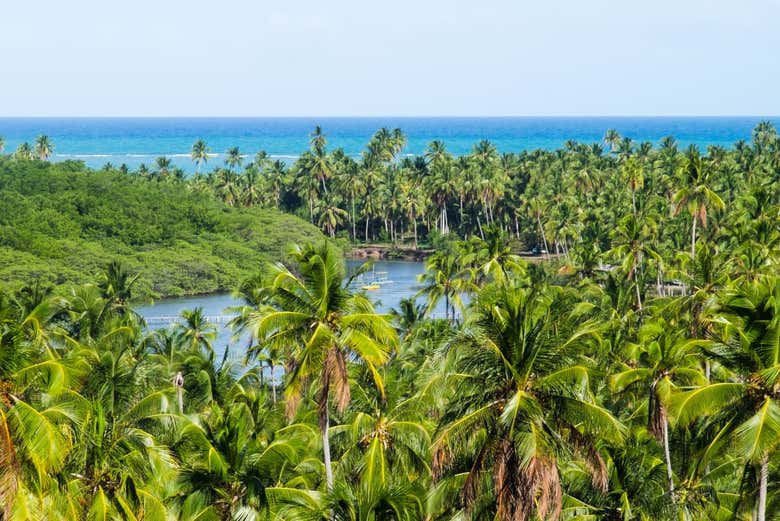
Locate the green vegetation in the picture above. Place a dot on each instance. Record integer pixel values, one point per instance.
(633, 376)
(551, 395)
(63, 223)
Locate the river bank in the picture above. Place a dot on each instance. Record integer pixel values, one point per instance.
(388, 252)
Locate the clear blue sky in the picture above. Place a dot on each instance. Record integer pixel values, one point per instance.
(399, 57)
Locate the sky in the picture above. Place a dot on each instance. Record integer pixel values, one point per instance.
(392, 58)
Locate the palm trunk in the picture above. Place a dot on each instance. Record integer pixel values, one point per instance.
(178, 381)
(324, 420)
(541, 232)
(414, 223)
(461, 212)
(764, 474)
(667, 455)
(273, 381)
(354, 232)
(638, 292)
(693, 238)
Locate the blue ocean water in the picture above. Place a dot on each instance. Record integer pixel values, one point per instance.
(133, 141)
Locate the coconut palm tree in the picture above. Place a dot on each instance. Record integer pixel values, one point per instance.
(233, 158)
(745, 406)
(330, 216)
(43, 147)
(663, 359)
(521, 398)
(235, 453)
(612, 139)
(196, 333)
(163, 166)
(199, 153)
(445, 277)
(633, 238)
(322, 326)
(696, 194)
(24, 151)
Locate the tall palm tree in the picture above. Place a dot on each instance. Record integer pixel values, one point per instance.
(196, 333)
(199, 153)
(633, 246)
(445, 277)
(323, 326)
(745, 406)
(696, 194)
(664, 358)
(330, 216)
(163, 166)
(24, 151)
(521, 397)
(233, 158)
(612, 139)
(43, 147)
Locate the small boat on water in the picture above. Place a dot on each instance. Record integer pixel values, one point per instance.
(380, 277)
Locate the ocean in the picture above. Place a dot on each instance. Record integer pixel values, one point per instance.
(134, 141)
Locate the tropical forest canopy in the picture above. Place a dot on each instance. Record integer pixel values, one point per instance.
(633, 374)
(62, 223)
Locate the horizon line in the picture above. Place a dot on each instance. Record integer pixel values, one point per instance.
(536, 116)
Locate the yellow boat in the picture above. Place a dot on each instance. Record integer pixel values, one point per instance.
(371, 287)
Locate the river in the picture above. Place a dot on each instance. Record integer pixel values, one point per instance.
(402, 277)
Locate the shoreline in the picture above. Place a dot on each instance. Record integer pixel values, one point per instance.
(388, 252)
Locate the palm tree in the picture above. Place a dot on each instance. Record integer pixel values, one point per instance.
(228, 186)
(43, 148)
(199, 153)
(664, 359)
(24, 151)
(612, 139)
(163, 166)
(317, 162)
(745, 407)
(521, 397)
(233, 158)
(633, 238)
(251, 187)
(446, 278)
(330, 216)
(116, 284)
(276, 174)
(234, 454)
(696, 193)
(322, 326)
(196, 333)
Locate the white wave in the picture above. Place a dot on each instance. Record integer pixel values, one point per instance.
(84, 155)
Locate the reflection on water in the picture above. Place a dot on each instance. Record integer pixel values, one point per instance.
(402, 283)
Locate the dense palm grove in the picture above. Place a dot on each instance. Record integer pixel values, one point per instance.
(634, 374)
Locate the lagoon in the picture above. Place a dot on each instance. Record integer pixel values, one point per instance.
(401, 274)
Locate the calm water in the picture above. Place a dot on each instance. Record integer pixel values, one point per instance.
(402, 274)
(133, 141)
